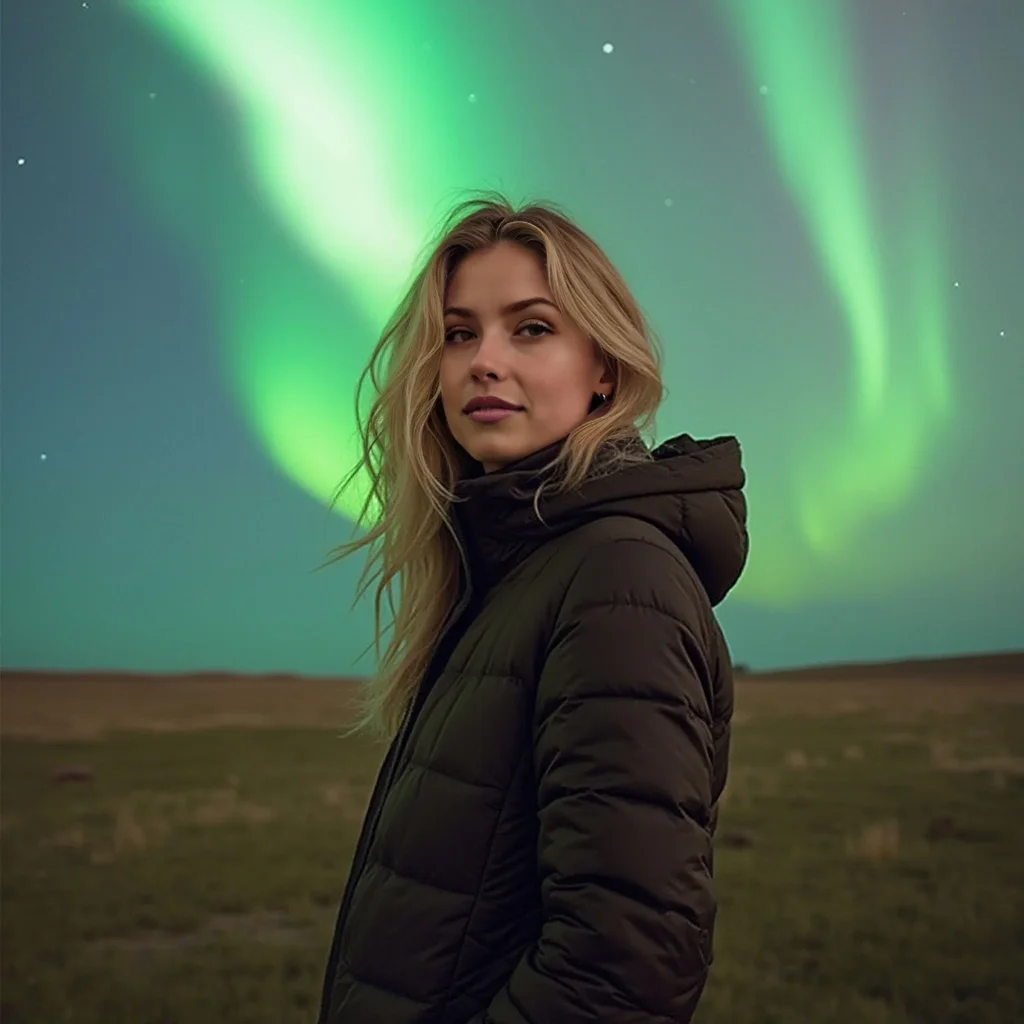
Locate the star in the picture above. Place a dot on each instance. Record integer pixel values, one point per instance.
(608, 48)
(42, 458)
(21, 161)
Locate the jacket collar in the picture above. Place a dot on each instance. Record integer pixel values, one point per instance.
(692, 490)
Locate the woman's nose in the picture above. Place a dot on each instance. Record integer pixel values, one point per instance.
(490, 358)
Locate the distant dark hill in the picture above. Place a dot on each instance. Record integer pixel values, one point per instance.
(1006, 664)
(1003, 664)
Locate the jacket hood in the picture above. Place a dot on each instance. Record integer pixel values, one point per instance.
(691, 490)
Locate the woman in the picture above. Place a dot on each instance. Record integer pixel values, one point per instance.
(557, 690)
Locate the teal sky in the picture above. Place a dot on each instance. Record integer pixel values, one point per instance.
(211, 208)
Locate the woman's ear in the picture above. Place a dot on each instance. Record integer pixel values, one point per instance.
(608, 374)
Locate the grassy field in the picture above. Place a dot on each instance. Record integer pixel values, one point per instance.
(173, 850)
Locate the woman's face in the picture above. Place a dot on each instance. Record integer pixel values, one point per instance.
(506, 340)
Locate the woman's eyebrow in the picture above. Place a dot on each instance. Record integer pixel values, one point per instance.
(513, 307)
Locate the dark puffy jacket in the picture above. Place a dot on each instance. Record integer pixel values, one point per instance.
(537, 849)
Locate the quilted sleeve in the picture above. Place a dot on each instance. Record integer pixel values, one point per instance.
(623, 752)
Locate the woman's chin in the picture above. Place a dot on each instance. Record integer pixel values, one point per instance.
(494, 456)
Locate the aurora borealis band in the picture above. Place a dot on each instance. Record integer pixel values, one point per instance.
(815, 201)
(899, 399)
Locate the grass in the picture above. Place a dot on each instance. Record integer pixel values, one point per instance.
(167, 867)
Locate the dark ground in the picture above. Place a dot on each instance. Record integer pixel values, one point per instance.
(174, 849)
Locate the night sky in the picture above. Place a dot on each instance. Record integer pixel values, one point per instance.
(210, 207)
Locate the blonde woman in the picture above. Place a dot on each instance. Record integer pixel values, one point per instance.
(555, 686)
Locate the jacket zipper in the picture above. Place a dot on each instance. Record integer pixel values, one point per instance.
(383, 787)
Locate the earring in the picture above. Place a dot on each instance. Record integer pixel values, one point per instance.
(600, 397)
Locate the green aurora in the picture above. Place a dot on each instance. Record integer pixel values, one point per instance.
(342, 131)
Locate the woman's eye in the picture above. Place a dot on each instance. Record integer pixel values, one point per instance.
(535, 326)
(543, 328)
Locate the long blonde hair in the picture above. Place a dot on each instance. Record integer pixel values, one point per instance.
(411, 459)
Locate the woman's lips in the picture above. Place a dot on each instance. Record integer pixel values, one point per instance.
(492, 414)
